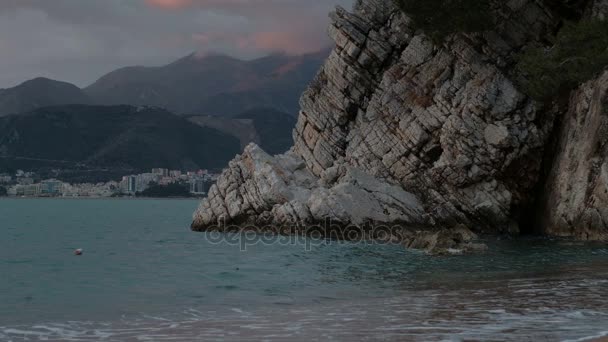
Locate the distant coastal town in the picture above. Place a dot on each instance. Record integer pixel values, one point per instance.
(157, 183)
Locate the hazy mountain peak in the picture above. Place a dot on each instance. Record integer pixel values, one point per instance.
(45, 82)
(210, 54)
(212, 84)
(39, 92)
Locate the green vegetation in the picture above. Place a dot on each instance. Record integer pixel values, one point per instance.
(439, 18)
(579, 51)
(170, 190)
(3, 191)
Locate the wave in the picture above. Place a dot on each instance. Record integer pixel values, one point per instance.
(396, 318)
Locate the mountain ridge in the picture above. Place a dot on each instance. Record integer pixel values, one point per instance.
(39, 92)
(270, 84)
(213, 84)
(110, 136)
(201, 85)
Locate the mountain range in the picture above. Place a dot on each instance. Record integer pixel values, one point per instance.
(225, 101)
(126, 137)
(216, 85)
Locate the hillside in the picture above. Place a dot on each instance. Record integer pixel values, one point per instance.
(110, 137)
(242, 129)
(37, 93)
(212, 85)
(267, 127)
(274, 128)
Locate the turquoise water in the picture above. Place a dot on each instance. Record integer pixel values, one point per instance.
(145, 276)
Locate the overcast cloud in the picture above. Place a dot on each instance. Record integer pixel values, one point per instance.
(79, 40)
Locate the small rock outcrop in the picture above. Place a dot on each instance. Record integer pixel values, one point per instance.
(398, 130)
(258, 189)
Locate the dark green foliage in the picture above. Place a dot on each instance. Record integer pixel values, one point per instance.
(567, 9)
(579, 51)
(273, 127)
(2, 191)
(440, 18)
(170, 190)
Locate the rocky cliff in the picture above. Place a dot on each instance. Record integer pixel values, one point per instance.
(396, 129)
(576, 192)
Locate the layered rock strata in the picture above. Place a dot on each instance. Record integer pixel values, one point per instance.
(576, 193)
(397, 130)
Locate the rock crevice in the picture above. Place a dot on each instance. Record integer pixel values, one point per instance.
(575, 201)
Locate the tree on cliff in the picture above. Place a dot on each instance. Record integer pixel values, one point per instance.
(578, 52)
(574, 54)
(439, 18)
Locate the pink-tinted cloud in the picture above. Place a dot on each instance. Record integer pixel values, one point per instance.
(169, 4)
(78, 40)
(291, 26)
(217, 4)
(293, 42)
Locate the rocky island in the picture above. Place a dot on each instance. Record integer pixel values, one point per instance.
(439, 134)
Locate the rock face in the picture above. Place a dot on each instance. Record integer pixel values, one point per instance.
(598, 9)
(258, 189)
(395, 129)
(576, 202)
(444, 123)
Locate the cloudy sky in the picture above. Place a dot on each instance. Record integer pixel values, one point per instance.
(80, 40)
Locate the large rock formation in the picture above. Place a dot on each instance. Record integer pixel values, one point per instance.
(574, 198)
(396, 129)
(576, 193)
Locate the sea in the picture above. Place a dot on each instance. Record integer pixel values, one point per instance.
(144, 276)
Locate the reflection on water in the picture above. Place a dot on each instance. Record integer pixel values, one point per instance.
(147, 278)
